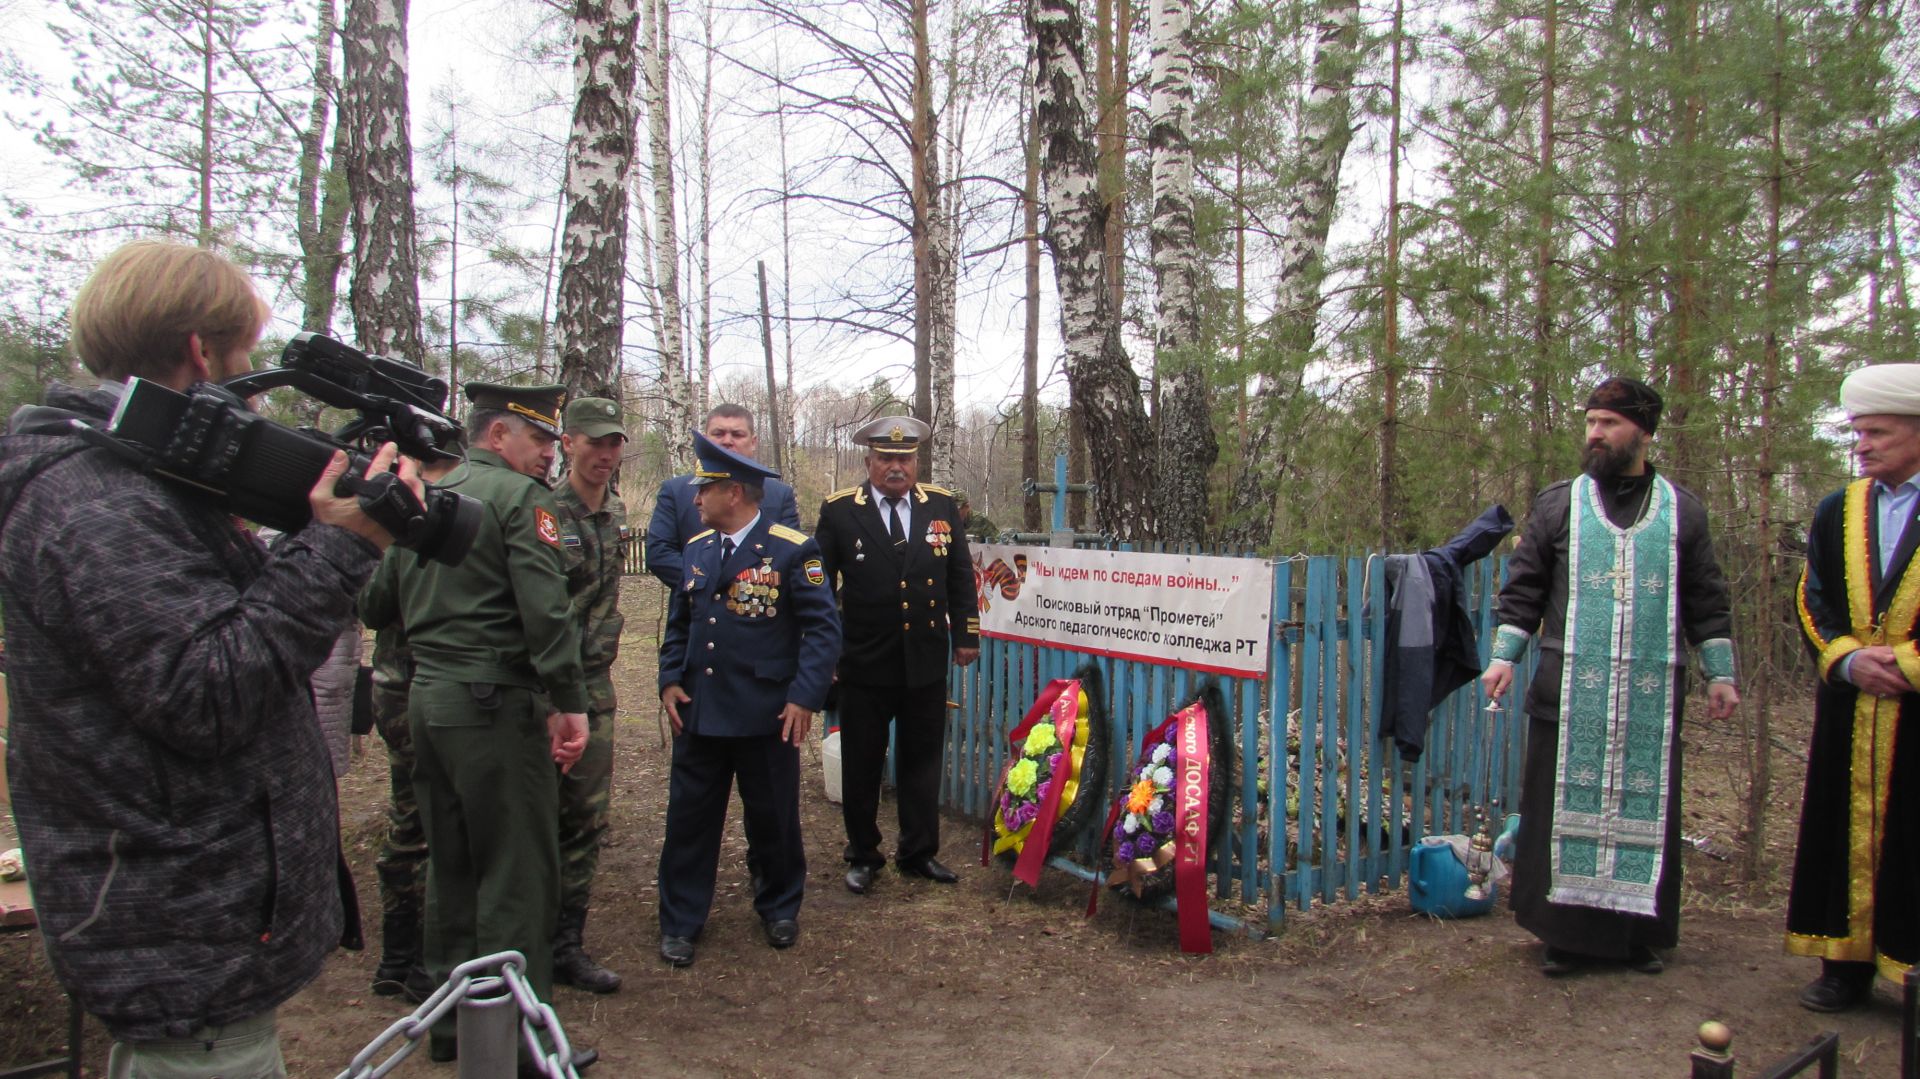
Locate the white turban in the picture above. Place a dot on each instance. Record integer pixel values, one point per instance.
(1885, 389)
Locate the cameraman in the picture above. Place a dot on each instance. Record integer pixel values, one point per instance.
(172, 792)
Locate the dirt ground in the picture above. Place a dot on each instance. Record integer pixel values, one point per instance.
(988, 977)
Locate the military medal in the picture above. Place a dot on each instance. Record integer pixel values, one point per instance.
(939, 534)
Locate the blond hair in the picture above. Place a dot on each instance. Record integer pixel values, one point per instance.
(137, 310)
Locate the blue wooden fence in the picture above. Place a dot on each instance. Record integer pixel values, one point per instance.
(1323, 809)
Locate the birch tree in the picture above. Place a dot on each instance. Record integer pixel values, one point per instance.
(321, 212)
(384, 291)
(1187, 447)
(590, 314)
(656, 60)
(1322, 146)
(1106, 390)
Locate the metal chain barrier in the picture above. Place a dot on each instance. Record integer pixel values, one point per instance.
(475, 987)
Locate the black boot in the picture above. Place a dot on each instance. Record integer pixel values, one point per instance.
(400, 972)
(571, 964)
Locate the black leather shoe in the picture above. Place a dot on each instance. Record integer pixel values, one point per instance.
(931, 870)
(582, 1060)
(859, 879)
(1835, 993)
(1558, 962)
(677, 950)
(781, 932)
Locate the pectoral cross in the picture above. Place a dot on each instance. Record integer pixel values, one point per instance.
(1622, 580)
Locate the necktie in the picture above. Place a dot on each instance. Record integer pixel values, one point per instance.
(726, 549)
(898, 533)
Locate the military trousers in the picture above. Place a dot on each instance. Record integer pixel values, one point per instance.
(917, 716)
(402, 862)
(484, 778)
(698, 789)
(585, 794)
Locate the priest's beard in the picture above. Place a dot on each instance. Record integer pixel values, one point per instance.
(1604, 462)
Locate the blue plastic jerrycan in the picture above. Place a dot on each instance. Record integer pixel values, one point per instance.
(1437, 881)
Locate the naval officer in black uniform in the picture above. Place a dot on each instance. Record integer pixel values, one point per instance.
(746, 661)
(897, 555)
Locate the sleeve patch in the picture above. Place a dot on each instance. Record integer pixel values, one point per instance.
(547, 527)
(815, 574)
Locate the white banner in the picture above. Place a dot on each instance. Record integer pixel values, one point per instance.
(1204, 613)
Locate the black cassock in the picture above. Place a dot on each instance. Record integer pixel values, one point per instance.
(1535, 599)
(1856, 873)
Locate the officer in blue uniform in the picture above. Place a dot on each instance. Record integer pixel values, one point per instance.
(751, 641)
(675, 520)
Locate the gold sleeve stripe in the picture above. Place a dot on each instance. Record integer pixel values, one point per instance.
(1807, 625)
(1907, 655)
(1859, 569)
(1833, 653)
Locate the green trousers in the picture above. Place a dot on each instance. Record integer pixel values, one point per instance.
(484, 780)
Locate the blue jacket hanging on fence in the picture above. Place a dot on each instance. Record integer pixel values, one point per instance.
(1431, 646)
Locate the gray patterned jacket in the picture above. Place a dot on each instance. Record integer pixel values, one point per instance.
(174, 799)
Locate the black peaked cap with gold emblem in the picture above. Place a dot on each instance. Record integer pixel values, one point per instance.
(717, 464)
(538, 405)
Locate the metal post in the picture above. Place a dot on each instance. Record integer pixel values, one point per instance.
(1059, 492)
(489, 1027)
(1713, 1059)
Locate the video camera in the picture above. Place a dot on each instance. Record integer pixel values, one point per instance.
(210, 439)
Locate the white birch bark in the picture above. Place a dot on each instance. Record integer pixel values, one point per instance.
(1187, 447)
(593, 243)
(384, 291)
(600, 156)
(1324, 134)
(1106, 390)
(656, 60)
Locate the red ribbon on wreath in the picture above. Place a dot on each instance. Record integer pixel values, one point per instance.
(1059, 704)
(1191, 788)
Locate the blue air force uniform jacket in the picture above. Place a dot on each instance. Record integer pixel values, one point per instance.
(676, 520)
(746, 638)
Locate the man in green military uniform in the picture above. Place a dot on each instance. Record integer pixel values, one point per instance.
(402, 862)
(592, 519)
(489, 636)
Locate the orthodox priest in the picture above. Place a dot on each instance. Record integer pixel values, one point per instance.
(1856, 874)
(1615, 575)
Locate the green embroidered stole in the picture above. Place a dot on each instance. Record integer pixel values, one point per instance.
(1617, 689)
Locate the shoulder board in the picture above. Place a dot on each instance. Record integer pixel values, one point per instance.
(700, 535)
(935, 489)
(791, 535)
(841, 493)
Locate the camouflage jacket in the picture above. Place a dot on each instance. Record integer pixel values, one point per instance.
(595, 559)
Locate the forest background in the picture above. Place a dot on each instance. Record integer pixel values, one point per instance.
(1302, 276)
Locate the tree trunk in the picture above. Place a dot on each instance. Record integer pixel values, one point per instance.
(1187, 447)
(321, 214)
(590, 311)
(924, 175)
(1324, 134)
(1541, 414)
(703, 253)
(1390, 513)
(1030, 359)
(656, 61)
(384, 291)
(1106, 391)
